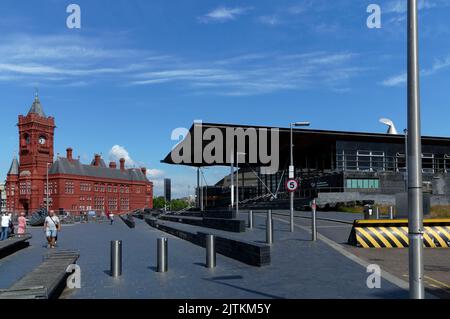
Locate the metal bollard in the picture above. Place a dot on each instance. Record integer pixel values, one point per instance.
(210, 251)
(314, 221)
(162, 261)
(391, 212)
(377, 213)
(250, 219)
(116, 258)
(269, 228)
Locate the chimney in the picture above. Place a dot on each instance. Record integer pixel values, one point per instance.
(144, 171)
(69, 154)
(122, 164)
(97, 160)
(113, 165)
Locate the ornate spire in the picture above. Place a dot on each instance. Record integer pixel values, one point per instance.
(14, 169)
(36, 108)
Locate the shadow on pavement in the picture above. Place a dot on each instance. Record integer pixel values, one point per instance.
(214, 280)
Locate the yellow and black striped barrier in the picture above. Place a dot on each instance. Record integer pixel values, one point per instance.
(394, 233)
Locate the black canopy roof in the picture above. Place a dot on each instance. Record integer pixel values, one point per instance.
(307, 143)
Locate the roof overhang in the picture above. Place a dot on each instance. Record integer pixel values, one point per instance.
(308, 143)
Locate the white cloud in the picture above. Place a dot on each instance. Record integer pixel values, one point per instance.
(155, 174)
(271, 20)
(77, 62)
(117, 152)
(223, 14)
(246, 75)
(395, 80)
(401, 6)
(69, 59)
(402, 78)
(300, 8)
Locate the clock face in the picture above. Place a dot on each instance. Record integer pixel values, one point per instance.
(42, 140)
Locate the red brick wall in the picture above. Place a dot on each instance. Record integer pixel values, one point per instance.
(105, 191)
(34, 157)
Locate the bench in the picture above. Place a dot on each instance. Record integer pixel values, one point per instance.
(250, 253)
(231, 225)
(224, 214)
(13, 244)
(47, 281)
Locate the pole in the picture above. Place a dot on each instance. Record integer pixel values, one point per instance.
(237, 185)
(232, 180)
(116, 258)
(314, 220)
(198, 187)
(201, 194)
(291, 175)
(269, 228)
(391, 212)
(161, 254)
(210, 251)
(415, 192)
(47, 197)
(250, 219)
(406, 159)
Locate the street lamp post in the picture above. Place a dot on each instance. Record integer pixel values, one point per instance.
(415, 192)
(406, 159)
(47, 188)
(232, 180)
(292, 171)
(202, 206)
(237, 182)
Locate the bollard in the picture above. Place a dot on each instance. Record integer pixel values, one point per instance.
(314, 221)
(377, 212)
(210, 251)
(116, 258)
(269, 228)
(391, 212)
(250, 219)
(162, 261)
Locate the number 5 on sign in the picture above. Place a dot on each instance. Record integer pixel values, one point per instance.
(292, 185)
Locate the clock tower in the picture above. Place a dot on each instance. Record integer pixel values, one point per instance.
(36, 133)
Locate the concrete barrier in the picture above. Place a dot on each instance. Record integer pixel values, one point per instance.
(251, 253)
(231, 225)
(394, 233)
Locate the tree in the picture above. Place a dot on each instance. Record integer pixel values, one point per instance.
(158, 202)
(176, 204)
(179, 204)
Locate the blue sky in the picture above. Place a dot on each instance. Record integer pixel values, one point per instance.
(137, 69)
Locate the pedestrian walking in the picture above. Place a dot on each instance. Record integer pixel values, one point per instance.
(22, 225)
(111, 218)
(52, 226)
(5, 223)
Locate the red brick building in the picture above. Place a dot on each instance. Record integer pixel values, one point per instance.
(72, 186)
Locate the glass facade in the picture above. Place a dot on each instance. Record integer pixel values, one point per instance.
(355, 183)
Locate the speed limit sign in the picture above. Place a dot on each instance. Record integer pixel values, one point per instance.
(292, 185)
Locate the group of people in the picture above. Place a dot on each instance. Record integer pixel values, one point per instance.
(8, 226)
(52, 226)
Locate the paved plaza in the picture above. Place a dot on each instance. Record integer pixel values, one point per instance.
(299, 268)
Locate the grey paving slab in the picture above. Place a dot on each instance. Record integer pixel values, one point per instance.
(395, 261)
(299, 268)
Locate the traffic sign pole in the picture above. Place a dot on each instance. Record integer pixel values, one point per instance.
(292, 186)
